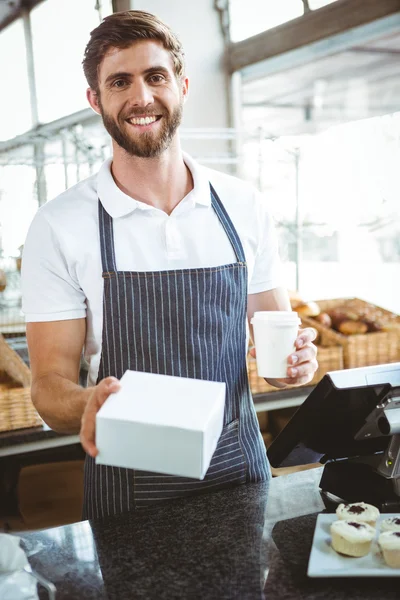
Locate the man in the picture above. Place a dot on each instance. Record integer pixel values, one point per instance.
(150, 265)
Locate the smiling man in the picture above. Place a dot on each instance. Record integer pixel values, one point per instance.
(153, 264)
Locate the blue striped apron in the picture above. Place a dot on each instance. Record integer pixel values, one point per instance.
(187, 323)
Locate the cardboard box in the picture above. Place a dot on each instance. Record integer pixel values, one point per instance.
(161, 423)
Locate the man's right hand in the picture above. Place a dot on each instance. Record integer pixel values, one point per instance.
(98, 395)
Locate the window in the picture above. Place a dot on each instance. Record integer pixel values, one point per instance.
(249, 17)
(348, 225)
(15, 109)
(18, 202)
(60, 32)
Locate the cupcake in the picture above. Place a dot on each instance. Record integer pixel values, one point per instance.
(359, 512)
(390, 524)
(352, 538)
(389, 541)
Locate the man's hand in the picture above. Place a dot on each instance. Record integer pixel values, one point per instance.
(302, 363)
(98, 395)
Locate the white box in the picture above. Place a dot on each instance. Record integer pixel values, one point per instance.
(161, 423)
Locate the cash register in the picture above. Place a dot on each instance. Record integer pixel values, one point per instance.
(352, 419)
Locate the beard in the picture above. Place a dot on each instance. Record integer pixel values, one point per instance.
(146, 144)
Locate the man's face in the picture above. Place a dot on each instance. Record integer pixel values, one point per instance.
(140, 98)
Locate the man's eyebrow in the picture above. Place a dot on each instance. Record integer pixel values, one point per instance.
(156, 69)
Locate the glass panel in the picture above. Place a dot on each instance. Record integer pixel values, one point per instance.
(249, 17)
(334, 197)
(60, 32)
(18, 205)
(349, 185)
(15, 111)
(18, 202)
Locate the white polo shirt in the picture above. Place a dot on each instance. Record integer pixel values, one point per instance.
(61, 266)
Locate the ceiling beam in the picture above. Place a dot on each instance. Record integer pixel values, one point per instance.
(10, 10)
(313, 26)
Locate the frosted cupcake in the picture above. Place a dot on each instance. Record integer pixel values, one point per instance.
(390, 524)
(352, 538)
(359, 512)
(389, 541)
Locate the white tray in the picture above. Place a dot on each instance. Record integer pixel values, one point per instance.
(325, 562)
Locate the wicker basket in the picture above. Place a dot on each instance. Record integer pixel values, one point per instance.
(364, 349)
(16, 408)
(330, 358)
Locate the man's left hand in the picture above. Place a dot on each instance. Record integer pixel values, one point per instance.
(302, 363)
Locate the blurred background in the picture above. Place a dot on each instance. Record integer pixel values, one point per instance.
(301, 97)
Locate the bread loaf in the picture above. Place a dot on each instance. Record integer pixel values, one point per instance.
(324, 319)
(308, 309)
(353, 327)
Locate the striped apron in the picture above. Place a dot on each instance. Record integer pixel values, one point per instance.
(187, 323)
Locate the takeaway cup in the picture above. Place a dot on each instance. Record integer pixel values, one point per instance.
(274, 334)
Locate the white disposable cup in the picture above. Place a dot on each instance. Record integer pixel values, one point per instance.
(274, 335)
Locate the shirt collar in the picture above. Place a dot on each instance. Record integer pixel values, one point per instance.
(119, 204)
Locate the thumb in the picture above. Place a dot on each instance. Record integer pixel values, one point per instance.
(105, 388)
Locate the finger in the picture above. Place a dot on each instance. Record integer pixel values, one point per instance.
(305, 355)
(306, 336)
(107, 386)
(87, 433)
(303, 380)
(304, 369)
(97, 399)
(252, 352)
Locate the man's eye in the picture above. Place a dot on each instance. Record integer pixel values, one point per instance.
(119, 83)
(156, 78)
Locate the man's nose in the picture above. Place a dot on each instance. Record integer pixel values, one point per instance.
(141, 94)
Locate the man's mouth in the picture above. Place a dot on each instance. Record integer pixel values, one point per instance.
(142, 121)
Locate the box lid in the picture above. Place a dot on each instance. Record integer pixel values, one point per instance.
(164, 400)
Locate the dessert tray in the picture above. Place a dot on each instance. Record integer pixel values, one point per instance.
(325, 562)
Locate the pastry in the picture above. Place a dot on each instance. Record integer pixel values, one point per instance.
(352, 538)
(308, 309)
(324, 319)
(390, 524)
(358, 511)
(352, 327)
(295, 298)
(389, 541)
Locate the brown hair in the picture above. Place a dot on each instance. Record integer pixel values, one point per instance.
(121, 30)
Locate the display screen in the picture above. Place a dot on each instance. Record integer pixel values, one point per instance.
(328, 420)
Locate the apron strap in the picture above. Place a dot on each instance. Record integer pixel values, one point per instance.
(228, 226)
(106, 240)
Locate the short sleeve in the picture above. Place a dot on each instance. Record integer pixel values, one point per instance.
(49, 291)
(267, 273)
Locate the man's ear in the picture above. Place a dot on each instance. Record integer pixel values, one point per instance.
(185, 88)
(93, 100)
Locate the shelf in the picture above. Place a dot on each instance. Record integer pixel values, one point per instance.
(281, 399)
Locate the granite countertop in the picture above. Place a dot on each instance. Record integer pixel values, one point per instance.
(203, 547)
(252, 541)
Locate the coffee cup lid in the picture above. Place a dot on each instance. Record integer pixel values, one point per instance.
(277, 316)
